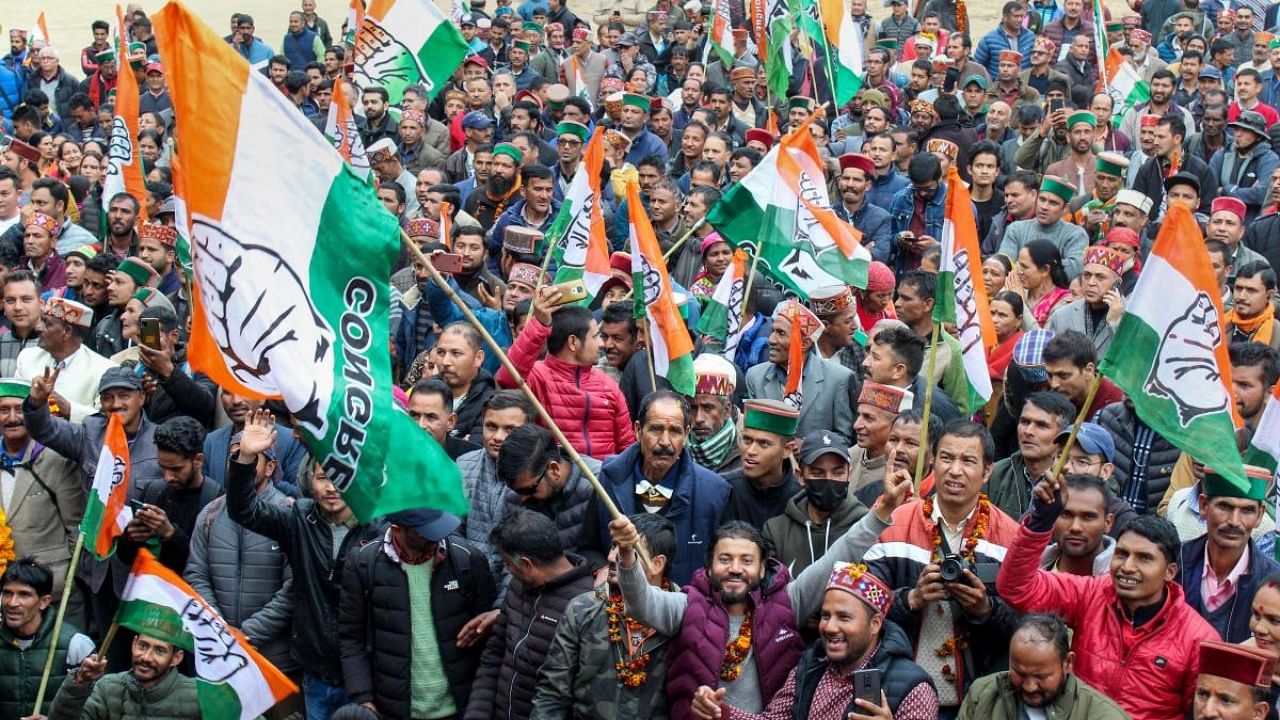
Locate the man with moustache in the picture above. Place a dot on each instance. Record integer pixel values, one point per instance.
(1221, 570)
(903, 450)
(713, 441)
(878, 406)
(153, 682)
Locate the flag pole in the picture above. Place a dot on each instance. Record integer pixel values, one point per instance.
(1080, 418)
(57, 622)
(928, 405)
(746, 289)
(826, 55)
(106, 641)
(653, 377)
(543, 415)
(671, 251)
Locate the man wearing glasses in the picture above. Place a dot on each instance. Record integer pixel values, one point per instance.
(1091, 455)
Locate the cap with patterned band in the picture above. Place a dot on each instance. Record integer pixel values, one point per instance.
(139, 271)
(527, 274)
(69, 311)
(715, 375)
(888, 398)
(857, 581)
(1106, 257)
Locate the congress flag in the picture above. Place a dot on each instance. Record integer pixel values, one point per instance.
(581, 246)
(655, 301)
(340, 128)
(843, 40)
(292, 252)
(722, 318)
(1169, 354)
(124, 163)
(233, 681)
(962, 298)
(403, 43)
(107, 511)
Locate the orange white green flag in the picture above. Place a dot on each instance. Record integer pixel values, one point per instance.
(124, 163)
(1169, 354)
(403, 43)
(580, 243)
(721, 36)
(962, 298)
(340, 128)
(655, 301)
(292, 252)
(106, 511)
(233, 681)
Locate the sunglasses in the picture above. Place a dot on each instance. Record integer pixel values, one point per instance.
(532, 489)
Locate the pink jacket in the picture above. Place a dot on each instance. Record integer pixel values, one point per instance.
(586, 404)
(1151, 670)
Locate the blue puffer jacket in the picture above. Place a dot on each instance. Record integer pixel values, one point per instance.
(12, 88)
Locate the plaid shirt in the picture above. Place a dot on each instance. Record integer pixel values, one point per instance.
(10, 346)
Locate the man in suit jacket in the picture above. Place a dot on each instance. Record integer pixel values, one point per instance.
(590, 63)
(824, 395)
(46, 504)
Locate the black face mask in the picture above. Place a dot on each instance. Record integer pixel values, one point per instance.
(826, 495)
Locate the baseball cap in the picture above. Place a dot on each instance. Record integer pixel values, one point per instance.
(119, 378)
(433, 525)
(476, 120)
(818, 444)
(1093, 439)
(628, 40)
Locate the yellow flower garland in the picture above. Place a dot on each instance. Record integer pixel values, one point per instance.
(6, 542)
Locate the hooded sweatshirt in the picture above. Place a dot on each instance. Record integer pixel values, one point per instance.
(798, 542)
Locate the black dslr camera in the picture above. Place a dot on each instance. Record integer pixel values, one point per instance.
(952, 568)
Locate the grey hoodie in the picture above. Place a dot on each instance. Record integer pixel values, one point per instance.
(798, 542)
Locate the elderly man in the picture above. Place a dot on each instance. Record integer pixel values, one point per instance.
(1234, 682)
(878, 405)
(1097, 313)
(837, 310)
(713, 441)
(65, 326)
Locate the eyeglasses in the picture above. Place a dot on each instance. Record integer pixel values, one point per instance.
(532, 489)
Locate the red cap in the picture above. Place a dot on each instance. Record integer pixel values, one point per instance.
(154, 67)
(760, 135)
(1235, 206)
(476, 60)
(1245, 665)
(1148, 120)
(859, 161)
(1123, 236)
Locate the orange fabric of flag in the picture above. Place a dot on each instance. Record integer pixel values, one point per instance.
(127, 105)
(795, 356)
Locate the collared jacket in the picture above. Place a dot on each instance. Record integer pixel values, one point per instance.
(45, 509)
(995, 698)
(1233, 623)
(1247, 178)
(828, 394)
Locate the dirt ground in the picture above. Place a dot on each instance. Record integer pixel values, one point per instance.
(69, 22)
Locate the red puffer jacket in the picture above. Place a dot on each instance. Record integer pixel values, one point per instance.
(586, 404)
(1149, 671)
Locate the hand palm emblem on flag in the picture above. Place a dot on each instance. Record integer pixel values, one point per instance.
(1185, 370)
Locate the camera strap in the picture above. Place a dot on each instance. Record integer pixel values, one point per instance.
(943, 545)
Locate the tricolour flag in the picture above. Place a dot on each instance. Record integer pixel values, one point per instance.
(106, 512)
(1265, 446)
(578, 237)
(124, 163)
(292, 255)
(961, 301)
(1101, 46)
(782, 208)
(1169, 354)
(181, 216)
(406, 42)
(793, 391)
(722, 317)
(843, 41)
(721, 37)
(233, 681)
(1125, 86)
(655, 301)
(355, 18)
(340, 128)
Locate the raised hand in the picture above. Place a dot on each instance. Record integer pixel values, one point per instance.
(42, 386)
(258, 436)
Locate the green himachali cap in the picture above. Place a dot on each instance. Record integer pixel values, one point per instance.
(577, 130)
(522, 45)
(1082, 116)
(1058, 187)
(1259, 479)
(510, 151)
(801, 102)
(1112, 164)
(636, 100)
(772, 416)
(14, 388)
(141, 272)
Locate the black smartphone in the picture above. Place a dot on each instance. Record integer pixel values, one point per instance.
(137, 505)
(952, 78)
(1055, 105)
(866, 686)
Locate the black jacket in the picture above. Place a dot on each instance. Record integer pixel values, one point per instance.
(307, 541)
(376, 624)
(1263, 237)
(899, 675)
(471, 415)
(519, 642)
(1150, 182)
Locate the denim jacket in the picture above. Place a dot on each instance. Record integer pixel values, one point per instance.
(900, 211)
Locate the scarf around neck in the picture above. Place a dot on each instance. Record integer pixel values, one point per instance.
(710, 453)
(1258, 328)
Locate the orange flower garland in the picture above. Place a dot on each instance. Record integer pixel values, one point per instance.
(982, 520)
(630, 667)
(6, 542)
(736, 652)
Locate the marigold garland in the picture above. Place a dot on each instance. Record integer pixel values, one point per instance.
(982, 520)
(6, 542)
(736, 652)
(630, 667)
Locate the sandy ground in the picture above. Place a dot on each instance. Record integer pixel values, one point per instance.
(69, 20)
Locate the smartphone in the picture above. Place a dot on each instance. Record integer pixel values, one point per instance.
(1055, 105)
(149, 331)
(571, 292)
(447, 262)
(866, 686)
(137, 505)
(949, 84)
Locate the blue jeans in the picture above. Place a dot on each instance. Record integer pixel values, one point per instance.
(321, 698)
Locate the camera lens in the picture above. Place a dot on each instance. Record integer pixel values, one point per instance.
(950, 569)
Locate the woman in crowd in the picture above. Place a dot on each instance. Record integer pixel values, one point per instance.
(1040, 279)
(716, 258)
(995, 271)
(71, 155)
(1264, 623)
(1006, 315)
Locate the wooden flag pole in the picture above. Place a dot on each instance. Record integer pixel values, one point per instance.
(1080, 418)
(746, 288)
(672, 250)
(57, 622)
(543, 415)
(928, 406)
(106, 641)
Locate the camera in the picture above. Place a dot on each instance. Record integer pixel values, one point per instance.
(952, 568)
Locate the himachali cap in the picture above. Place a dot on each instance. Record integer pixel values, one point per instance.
(855, 580)
(1012, 56)
(941, 63)
(382, 151)
(1115, 27)
(887, 43)
(84, 252)
(14, 388)
(166, 234)
(715, 375)
(527, 274)
(819, 444)
(810, 326)
(1121, 235)
(581, 33)
(1259, 479)
(773, 416)
(1106, 257)
(802, 102)
(1235, 206)
(422, 228)
(1148, 120)
(413, 115)
(1238, 663)
(1082, 116)
(636, 100)
(1275, 43)
(921, 106)
(531, 26)
(141, 273)
(50, 225)
(520, 239)
(830, 300)
(1128, 196)
(741, 72)
(892, 400)
(1114, 164)
(69, 311)
(556, 95)
(105, 56)
(1140, 35)
(858, 161)
(568, 127)
(761, 136)
(1059, 187)
(507, 149)
(656, 15)
(152, 297)
(943, 146)
(1131, 20)
(618, 139)
(522, 45)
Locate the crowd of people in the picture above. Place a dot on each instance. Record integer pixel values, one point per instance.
(767, 560)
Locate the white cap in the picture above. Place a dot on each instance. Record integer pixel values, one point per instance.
(1134, 198)
(693, 5)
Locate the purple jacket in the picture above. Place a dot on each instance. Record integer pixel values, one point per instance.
(704, 632)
